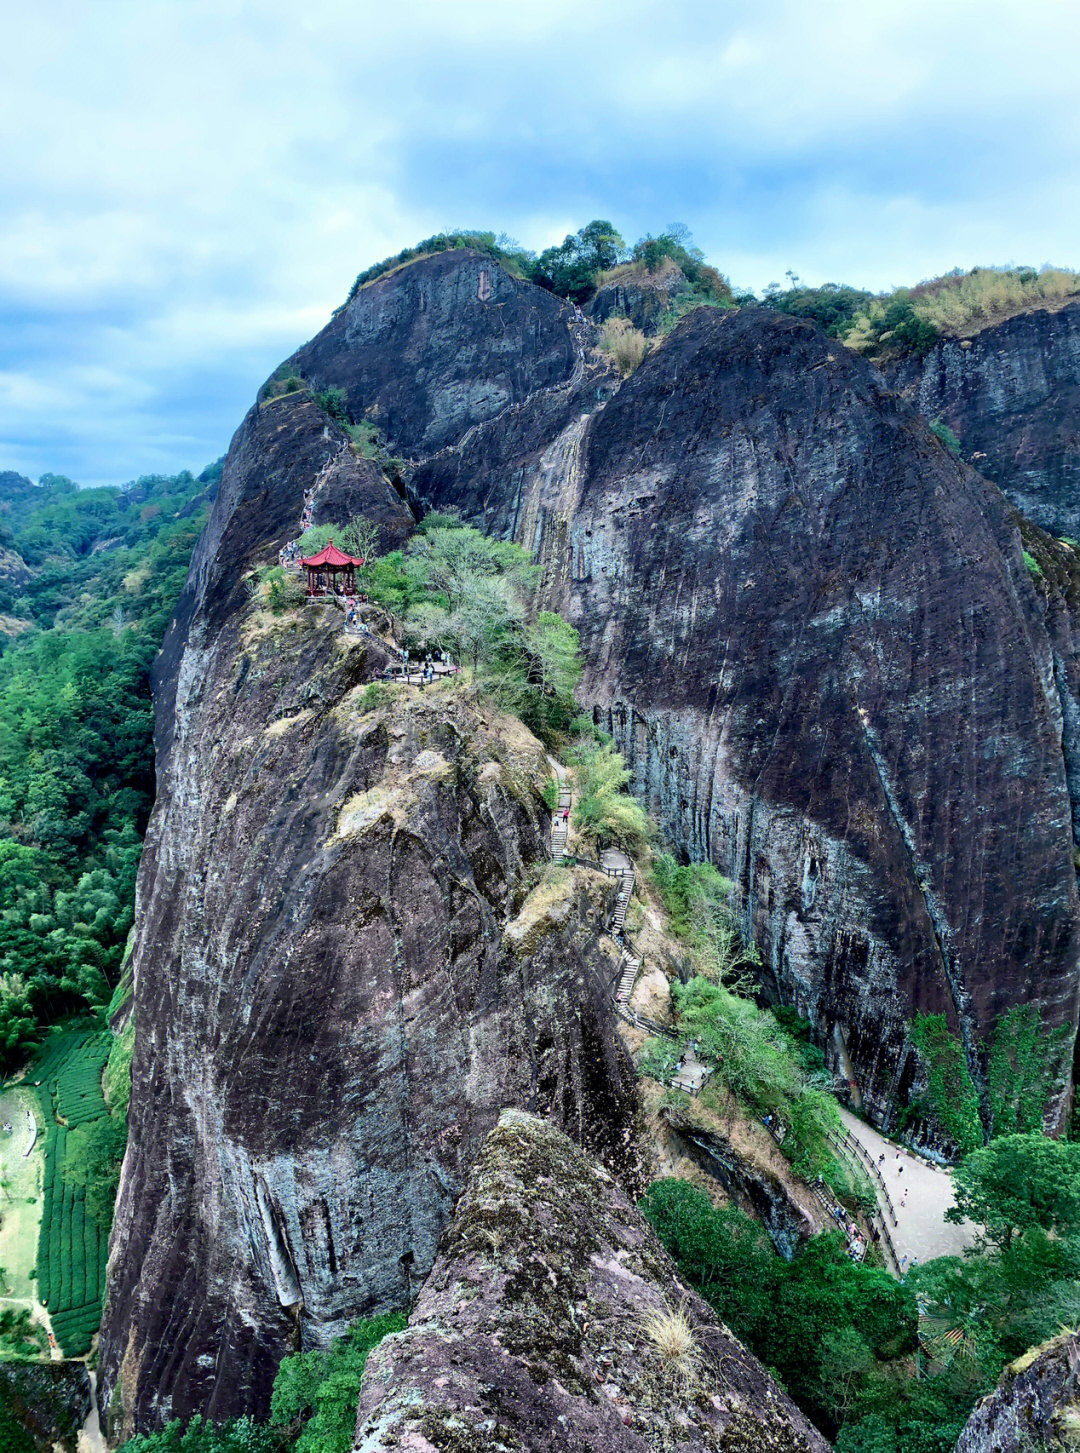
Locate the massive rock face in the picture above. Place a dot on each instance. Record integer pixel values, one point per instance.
(1011, 394)
(1036, 1404)
(340, 978)
(809, 627)
(813, 634)
(533, 1334)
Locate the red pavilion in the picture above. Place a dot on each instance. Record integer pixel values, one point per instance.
(324, 569)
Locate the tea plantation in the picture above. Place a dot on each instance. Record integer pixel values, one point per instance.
(72, 1246)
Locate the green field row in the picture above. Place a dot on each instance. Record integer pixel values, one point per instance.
(72, 1246)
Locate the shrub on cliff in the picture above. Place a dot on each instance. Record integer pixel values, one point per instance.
(954, 1100)
(697, 898)
(318, 1391)
(604, 811)
(832, 306)
(624, 344)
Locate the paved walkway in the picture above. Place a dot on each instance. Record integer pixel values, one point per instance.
(921, 1193)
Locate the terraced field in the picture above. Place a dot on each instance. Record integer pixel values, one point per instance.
(72, 1246)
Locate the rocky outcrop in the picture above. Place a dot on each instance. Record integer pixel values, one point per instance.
(346, 963)
(1011, 395)
(813, 633)
(541, 1329)
(643, 297)
(1034, 1406)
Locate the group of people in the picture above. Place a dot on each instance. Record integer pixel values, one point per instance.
(431, 666)
(899, 1171)
(776, 1128)
(290, 553)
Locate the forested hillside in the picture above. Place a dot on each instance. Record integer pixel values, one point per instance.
(88, 579)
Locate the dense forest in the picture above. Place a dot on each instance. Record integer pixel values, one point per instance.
(88, 580)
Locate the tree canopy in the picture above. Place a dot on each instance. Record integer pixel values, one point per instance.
(1018, 1183)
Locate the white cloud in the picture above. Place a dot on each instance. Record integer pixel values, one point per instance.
(194, 183)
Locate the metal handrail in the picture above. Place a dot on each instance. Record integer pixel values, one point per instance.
(864, 1155)
(842, 1147)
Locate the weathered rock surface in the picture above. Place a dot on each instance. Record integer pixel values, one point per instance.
(809, 627)
(50, 1401)
(812, 632)
(341, 975)
(1011, 395)
(641, 296)
(1036, 1404)
(531, 1335)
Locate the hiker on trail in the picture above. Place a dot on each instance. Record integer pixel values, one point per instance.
(566, 815)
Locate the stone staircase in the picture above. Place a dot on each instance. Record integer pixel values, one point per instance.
(628, 978)
(560, 827)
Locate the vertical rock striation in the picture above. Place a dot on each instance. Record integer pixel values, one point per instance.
(1011, 394)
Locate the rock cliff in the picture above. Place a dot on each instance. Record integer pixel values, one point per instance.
(1034, 1406)
(813, 633)
(346, 964)
(537, 1332)
(1011, 394)
(810, 628)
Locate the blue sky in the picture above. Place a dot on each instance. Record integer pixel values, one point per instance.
(190, 186)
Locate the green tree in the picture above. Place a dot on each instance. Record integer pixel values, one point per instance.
(360, 537)
(1017, 1183)
(242, 1435)
(320, 1389)
(604, 811)
(555, 648)
(600, 245)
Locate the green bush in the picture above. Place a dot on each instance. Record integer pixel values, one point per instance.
(942, 431)
(659, 1058)
(319, 1390)
(333, 401)
(953, 1098)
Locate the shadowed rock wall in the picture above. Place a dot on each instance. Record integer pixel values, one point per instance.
(1011, 394)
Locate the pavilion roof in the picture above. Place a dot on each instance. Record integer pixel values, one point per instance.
(332, 556)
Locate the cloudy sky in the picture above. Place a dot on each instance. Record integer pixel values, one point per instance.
(190, 186)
